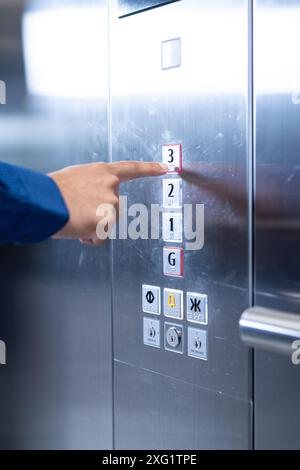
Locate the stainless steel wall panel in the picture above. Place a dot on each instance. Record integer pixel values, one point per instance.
(277, 81)
(175, 415)
(203, 106)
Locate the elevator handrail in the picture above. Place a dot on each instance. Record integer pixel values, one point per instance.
(271, 330)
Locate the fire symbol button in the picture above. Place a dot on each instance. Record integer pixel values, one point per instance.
(151, 299)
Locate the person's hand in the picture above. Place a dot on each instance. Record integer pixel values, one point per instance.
(86, 187)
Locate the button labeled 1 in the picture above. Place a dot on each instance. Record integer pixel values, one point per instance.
(173, 303)
(173, 261)
(172, 227)
(172, 156)
(172, 193)
(151, 299)
(151, 332)
(197, 343)
(196, 308)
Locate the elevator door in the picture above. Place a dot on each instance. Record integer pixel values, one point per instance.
(277, 234)
(179, 84)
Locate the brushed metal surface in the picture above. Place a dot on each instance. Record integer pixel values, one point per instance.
(55, 297)
(271, 330)
(277, 81)
(203, 106)
(175, 415)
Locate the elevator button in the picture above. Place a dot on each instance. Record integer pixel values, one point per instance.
(173, 303)
(151, 299)
(151, 332)
(172, 227)
(174, 337)
(172, 192)
(196, 308)
(172, 156)
(197, 343)
(173, 261)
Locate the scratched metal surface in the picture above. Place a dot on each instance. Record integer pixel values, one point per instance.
(203, 106)
(277, 79)
(55, 297)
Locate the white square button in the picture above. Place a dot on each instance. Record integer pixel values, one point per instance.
(196, 308)
(197, 343)
(151, 332)
(173, 261)
(151, 299)
(172, 227)
(172, 156)
(172, 193)
(173, 303)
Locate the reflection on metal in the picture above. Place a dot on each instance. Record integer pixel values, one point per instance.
(62, 50)
(127, 7)
(201, 105)
(277, 234)
(271, 330)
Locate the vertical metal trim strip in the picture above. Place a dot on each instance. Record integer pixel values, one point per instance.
(251, 193)
(111, 247)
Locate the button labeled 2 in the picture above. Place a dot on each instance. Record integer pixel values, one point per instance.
(151, 299)
(172, 227)
(172, 156)
(173, 303)
(172, 193)
(173, 261)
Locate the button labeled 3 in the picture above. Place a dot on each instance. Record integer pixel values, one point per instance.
(196, 308)
(197, 343)
(151, 332)
(172, 227)
(151, 299)
(172, 156)
(173, 303)
(173, 261)
(174, 338)
(172, 193)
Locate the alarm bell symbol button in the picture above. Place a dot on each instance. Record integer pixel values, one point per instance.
(171, 301)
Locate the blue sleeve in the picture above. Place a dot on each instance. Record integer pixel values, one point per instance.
(31, 206)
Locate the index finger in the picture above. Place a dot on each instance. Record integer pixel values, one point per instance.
(130, 170)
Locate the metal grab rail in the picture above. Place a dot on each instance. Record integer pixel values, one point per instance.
(271, 330)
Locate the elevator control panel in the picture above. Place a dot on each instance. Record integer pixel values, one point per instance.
(188, 308)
